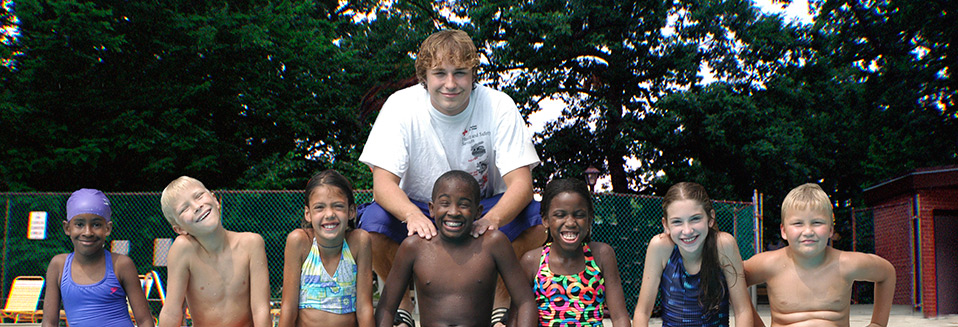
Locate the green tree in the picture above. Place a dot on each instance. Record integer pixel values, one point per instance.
(610, 61)
(128, 95)
(852, 101)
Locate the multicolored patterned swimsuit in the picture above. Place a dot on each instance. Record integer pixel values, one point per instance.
(570, 300)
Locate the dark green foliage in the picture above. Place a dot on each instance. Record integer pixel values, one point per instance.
(129, 95)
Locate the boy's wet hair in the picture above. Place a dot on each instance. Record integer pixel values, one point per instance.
(170, 192)
(447, 46)
(333, 179)
(807, 196)
(460, 176)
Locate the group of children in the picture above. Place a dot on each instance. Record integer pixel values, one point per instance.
(569, 281)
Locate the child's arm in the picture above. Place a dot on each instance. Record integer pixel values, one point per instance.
(178, 278)
(614, 296)
(297, 243)
(258, 280)
(126, 273)
(530, 266)
(658, 252)
(755, 274)
(399, 276)
(872, 268)
(51, 301)
(734, 271)
(519, 287)
(362, 252)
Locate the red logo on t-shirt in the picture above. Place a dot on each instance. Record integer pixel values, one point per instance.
(113, 289)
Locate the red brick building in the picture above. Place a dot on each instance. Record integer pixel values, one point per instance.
(916, 228)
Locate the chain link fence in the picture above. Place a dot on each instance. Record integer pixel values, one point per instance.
(626, 222)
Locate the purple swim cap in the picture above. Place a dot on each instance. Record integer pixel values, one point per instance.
(88, 200)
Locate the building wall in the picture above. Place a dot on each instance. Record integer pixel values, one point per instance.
(930, 200)
(893, 230)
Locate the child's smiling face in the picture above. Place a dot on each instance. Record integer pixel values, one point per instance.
(454, 208)
(329, 213)
(196, 210)
(568, 220)
(687, 224)
(807, 231)
(88, 232)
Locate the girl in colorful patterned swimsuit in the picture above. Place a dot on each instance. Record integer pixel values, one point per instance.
(575, 279)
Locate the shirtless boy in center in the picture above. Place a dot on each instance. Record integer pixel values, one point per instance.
(455, 273)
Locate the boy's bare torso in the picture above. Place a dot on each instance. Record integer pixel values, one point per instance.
(455, 284)
(814, 296)
(218, 293)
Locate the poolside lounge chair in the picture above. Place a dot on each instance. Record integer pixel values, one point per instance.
(23, 299)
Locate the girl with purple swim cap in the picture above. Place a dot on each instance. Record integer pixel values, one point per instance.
(93, 284)
(88, 200)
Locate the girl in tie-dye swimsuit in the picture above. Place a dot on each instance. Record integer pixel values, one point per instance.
(575, 280)
(327, 274)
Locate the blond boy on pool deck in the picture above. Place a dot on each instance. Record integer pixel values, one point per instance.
(222, 275)
(809, 282)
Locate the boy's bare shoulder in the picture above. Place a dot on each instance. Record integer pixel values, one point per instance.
(184, 244)
(248, 239)
(414, 242)
(853, 263)
(495, 236)
(768, 257)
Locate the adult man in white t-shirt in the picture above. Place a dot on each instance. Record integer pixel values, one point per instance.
(449, 123)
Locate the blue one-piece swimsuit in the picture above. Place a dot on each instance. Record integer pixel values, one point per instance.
(680, 297)
(99, 304)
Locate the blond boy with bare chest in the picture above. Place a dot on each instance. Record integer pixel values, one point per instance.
(222, 275)
(809, 282)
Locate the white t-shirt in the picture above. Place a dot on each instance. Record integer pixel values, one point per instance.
(416, 142)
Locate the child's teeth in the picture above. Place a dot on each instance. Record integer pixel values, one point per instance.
(453, 223)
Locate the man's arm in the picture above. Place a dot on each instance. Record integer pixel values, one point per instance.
(872, 268)
(398, 281)
(755, 274)
(517, 196)
(127, 275)
(258, 280)
(178, 271)
(516, 283)
(387, 193)
(51, 298)
(732, 267)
